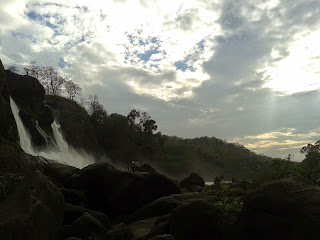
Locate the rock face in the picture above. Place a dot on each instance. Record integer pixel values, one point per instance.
(8, 128)
(14, 160)
(28, 94)
(75, 123)
(163, 205)
(146, 168)
(284, 209)
(193, 183)
(72, 212)
(86, 227)
(33, 211)
(27, 90)
(196, 220)
(116, 193)
(58, 172)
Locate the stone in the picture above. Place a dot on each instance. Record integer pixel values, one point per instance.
(197, 220)
(33, 211)
(193, 183)
(116, 193)
(288, 208)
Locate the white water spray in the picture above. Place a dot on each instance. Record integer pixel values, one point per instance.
(60, 152)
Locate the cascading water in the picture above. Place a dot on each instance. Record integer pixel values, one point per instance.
(25, 140)
(60, 141)
(60, 151)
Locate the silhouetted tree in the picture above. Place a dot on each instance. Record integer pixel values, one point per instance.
(72, 89)
(133, 116)
(96, 110)
(311, 148)
(51, 80)
(33, 70)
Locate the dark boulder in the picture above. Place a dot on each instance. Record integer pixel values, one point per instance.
(115, 193)
(14, 160)
(288, 208)
(33, 211)
(27, 90)
(74, 196)
(58, 172)
(165, 205)
(72, 212)
(8, 127)
(163, 237)
(141, 229)
(146, 168)
(197, 220)
(193, 183)
(119, 232)
(85, 227)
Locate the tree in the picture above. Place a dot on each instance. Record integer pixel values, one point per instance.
(311, 148)
(33, 70)
(149, 126)
(51, 80)
(13, 68)
(133, 116)
(96, 110)
(72, 89)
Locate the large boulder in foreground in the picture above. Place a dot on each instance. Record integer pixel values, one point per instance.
(193, 183)
(288, 208)
(15, 160)
(33, 211)
(85, 227)
(197, 220)
(115, 193)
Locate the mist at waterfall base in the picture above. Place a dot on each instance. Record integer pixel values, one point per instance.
(59, 151)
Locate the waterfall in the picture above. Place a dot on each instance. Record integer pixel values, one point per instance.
(60, 141)
(60, 151)
(25, 140)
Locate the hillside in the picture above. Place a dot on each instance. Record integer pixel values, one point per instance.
(124, 141)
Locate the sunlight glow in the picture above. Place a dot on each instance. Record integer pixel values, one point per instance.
(300, 70)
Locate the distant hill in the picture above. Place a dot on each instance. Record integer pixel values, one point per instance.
(210, 156)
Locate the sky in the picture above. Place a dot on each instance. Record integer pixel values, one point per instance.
(244, 71)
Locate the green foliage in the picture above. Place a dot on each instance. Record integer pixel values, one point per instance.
(8, 182)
